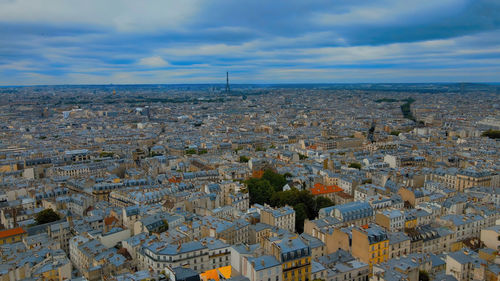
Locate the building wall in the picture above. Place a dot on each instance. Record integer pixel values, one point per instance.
(490, 238)
(383, 220)
(113, 239)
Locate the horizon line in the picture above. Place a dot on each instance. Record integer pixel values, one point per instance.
(266, 84)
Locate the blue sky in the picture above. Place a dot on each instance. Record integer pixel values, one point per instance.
(292, 41)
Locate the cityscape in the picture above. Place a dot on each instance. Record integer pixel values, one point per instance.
(223, 141)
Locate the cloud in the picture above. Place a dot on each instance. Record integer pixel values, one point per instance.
(119, 15)
(153, 62)
(167, 41)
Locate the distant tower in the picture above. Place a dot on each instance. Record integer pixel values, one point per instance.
(227, 83)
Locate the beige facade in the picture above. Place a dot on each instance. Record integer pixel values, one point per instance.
(283, 217)
(491, 237)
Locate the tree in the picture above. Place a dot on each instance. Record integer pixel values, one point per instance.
(106, 154)
(492, 134)
(46, 216)
(300, 216)
(244, 159)
(423, 275)
(355, 165)
(323, 202)
(275, 179)
(259, 190)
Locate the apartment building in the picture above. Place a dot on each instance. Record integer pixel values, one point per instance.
(295, 258)
(357, 213)
(370, 244)
(156, 256)
(391, 220)
(283, 217)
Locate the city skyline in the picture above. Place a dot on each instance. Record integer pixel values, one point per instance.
(164, 42)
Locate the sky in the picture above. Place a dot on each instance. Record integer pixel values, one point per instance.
(280, 41)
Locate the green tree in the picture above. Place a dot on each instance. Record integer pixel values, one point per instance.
(492, 134)
(106, 154)
(275, 179)
(244, 159)
(300, 216)
(259, 190)
(323, 202)
(423, 275)
(46, 216)
(355, 165)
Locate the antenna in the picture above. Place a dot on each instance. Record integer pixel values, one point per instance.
(227, 83)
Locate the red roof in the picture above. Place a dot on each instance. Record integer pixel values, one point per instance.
(11, 232)
(319, 189)
(175, 180)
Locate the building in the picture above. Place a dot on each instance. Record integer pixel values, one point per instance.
(358, 213)
(341, 265)
(295, 258)
(54, 267)
(461, 264)
(93, 260)
(263, 268)
(158, 255)
(327, 191)
(491, 237)
(470, 178)
(370, 244)
(392, 220)
(13, 235)
(283, 217)
(399, 244)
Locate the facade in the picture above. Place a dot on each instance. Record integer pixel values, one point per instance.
(263, 268)
(491, 237)
(399, 245)
(157, 256)
(392, 220)
(461, 264)
(370, 244)
(295, 258)
(283, 217)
